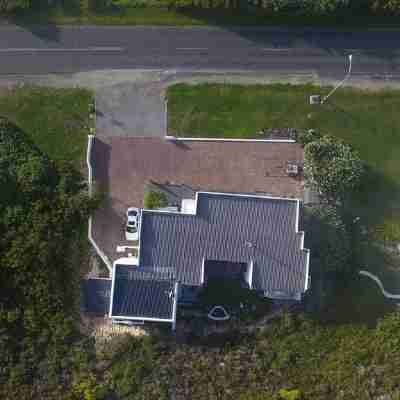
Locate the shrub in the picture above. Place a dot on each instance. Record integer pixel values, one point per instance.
(286, 394)
(308, 136)
(333, 168)
(154, 199)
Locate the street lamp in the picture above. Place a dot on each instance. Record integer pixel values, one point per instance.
(340, 83)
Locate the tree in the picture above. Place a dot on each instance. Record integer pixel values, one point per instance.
(43, 206)
(328, 238)
(10, 5)
(333, 168)
(391, 7)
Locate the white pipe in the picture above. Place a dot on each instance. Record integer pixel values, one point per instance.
(340, 83)
(379, 283)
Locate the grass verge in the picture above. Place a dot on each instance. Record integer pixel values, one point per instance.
(56, 119)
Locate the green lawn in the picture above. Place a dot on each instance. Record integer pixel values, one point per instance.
(56, 119)
(368, 120)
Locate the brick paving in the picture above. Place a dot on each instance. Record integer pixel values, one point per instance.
(124, 165)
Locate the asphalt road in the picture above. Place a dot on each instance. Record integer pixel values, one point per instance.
(32, 50)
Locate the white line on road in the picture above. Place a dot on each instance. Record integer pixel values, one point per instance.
(59, 49)
(276, 49)
(192, 48)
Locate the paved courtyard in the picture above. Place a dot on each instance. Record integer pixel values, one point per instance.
(124, 165)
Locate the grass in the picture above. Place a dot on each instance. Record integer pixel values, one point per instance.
(156, 12)
(56, 119)
(367, 120)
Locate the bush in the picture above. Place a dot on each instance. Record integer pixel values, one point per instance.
(308, 136)
(333, 168)
(41, 213)
(286, 394)
(154, 199)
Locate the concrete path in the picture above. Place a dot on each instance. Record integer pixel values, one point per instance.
(131, 109)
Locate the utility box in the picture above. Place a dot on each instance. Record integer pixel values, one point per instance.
(292, 169)
(315, 99)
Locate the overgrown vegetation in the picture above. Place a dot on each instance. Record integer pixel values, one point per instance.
(43, 204)
(154, 199)
(292, 355)
(201, 12)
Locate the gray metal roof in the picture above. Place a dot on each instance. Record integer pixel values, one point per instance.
(140, 293)
(229, 228)
(95, 295)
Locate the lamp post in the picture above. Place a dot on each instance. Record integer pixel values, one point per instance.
(340, 83)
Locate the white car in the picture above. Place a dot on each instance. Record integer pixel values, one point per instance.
(132, 224)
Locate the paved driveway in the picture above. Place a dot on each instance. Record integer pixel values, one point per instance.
(131, 109)
(124, 166)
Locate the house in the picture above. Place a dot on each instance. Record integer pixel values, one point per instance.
(254, 238)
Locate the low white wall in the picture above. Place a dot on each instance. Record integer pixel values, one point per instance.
(100, 253)
(190, 139)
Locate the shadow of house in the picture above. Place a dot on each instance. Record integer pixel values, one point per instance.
(174, 193)
(95, 296)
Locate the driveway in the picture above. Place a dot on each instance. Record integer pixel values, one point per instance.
(125, 165)
(131, 109)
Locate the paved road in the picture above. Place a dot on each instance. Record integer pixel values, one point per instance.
(70, 49)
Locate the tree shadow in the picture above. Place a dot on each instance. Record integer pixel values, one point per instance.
(306, 34)
(48, 31)
(376, 199)
(40, 19)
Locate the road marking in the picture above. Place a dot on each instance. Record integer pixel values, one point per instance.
(59, 49)
(276, 49)
(192, 48)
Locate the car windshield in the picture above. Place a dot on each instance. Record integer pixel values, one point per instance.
(132, 213)
(131, 229)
